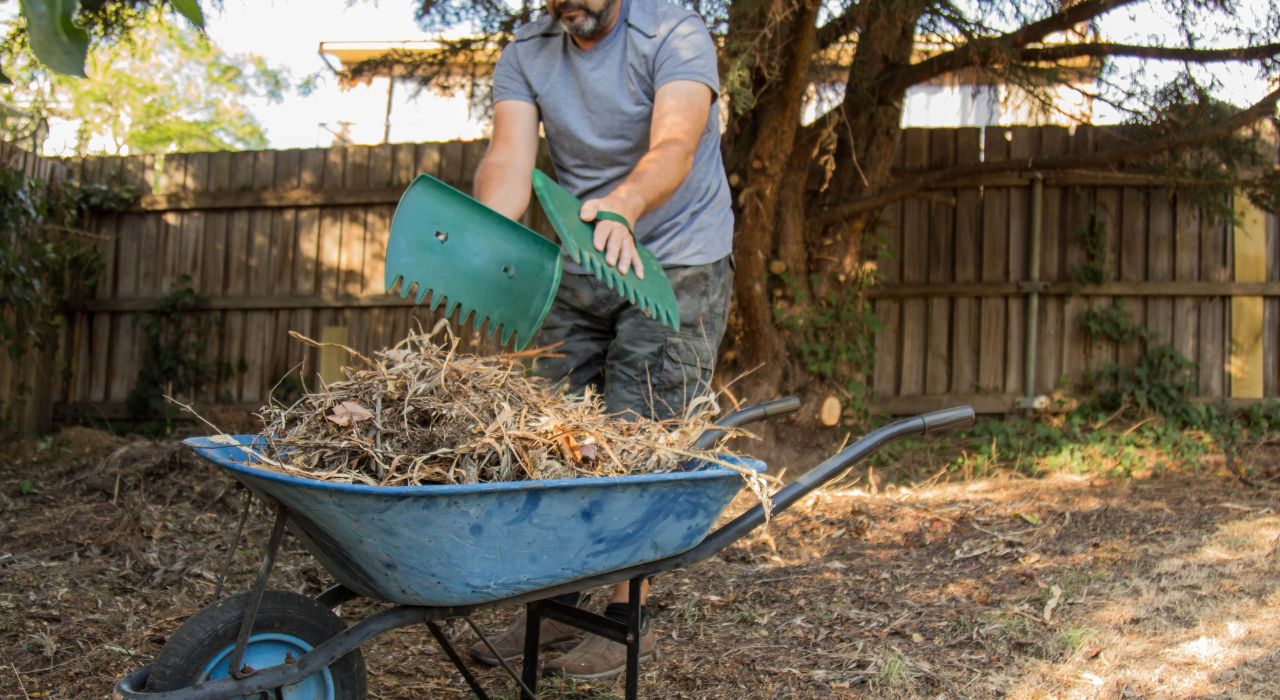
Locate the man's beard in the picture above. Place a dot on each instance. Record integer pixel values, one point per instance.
(587, 24)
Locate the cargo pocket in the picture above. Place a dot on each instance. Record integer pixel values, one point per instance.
(687, 365)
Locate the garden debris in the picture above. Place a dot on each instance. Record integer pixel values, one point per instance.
(423, 413)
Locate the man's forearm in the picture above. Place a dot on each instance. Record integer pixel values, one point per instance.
(654, 179)
(503, 187)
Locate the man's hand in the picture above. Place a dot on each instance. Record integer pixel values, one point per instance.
(611, 237)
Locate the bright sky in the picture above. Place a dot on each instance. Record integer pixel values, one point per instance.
(287, 33)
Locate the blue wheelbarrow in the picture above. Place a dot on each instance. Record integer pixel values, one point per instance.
(443, 552)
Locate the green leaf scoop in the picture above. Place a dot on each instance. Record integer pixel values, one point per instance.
(653, 294)
(449, 245)
(470, 257)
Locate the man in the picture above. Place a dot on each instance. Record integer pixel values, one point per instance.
(625, 91)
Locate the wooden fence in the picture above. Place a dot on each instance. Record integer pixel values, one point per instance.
(276, 240)
(295, 240)
(25, 403)
(959, 278)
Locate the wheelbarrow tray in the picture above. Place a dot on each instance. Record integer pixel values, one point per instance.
(456, 544)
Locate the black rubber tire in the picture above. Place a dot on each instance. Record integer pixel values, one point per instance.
(208, 632)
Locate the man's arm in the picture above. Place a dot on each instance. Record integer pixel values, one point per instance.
(504, 176)
(680, 111)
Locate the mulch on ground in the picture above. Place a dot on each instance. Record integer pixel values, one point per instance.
(1069, 586)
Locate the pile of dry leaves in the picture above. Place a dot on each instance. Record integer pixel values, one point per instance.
(423, 413)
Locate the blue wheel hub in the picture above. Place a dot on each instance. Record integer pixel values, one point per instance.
(271, 649)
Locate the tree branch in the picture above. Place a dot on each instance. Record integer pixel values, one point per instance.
(1164, 53)
(917, 182)
(842, 26)
(983, 51)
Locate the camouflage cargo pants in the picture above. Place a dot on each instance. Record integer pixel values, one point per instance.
(637, 363)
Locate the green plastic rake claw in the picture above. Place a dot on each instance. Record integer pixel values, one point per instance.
(653, 294)
(467, 256)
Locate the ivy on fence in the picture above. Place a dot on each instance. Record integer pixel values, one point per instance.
(45, 259)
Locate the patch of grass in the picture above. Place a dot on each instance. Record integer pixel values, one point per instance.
(689, 611)
(1083, 441)
(962, 626)
(894, 668)
(1009, 628)
(1070, 641)
(746, 615)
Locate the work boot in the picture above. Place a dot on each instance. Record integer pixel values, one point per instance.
(510, 644)
(597, 658)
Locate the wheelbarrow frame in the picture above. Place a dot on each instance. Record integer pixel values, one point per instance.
(537, 603)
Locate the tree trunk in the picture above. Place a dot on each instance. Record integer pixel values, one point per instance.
(791, 29)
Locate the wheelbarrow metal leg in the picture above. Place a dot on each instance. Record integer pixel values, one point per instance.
(532, 639)
(524, 689)
(235, 542)
(449, 651)
(633, 638)
(255, 595)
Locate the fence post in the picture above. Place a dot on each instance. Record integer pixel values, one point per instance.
(1032, 288)
(1245, 368)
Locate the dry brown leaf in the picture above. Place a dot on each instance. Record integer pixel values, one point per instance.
(349, 412)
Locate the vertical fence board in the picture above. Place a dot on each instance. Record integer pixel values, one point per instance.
(1107, 214)
(330, 257)
(1271, 313)
(1133, 262)
(354, 225)
(1022, 145)
(966, 267)
(1213, 321)
(259, 326)
(382, 173)
(1186, 268)
(1160, 247)
(889, 311)
(1077, 205)
(994, 312)
(915, 258)
(284, 246)
(941, 266)
(1050, 339)
(239, 241)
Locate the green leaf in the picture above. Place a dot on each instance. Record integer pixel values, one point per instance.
(4, 79)
(189, 9)
(55, 39)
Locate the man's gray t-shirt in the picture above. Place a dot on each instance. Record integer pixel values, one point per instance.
(596, 108)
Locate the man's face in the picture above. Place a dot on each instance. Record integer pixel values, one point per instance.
(585, 19)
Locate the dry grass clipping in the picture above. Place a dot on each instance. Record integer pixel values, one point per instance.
(423, 413)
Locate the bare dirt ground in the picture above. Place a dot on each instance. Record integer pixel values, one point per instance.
(1065, 587)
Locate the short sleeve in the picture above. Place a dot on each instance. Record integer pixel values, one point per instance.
(509, 80)
(687, 53)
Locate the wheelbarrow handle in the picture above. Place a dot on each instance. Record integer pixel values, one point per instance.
(747, 415)
(948, 418)
(822, 473)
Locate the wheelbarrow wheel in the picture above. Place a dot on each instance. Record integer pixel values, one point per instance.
(286, 624)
